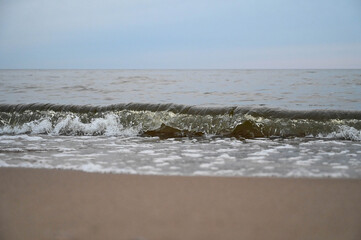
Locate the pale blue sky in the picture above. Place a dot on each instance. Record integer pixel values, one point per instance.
(180, 34)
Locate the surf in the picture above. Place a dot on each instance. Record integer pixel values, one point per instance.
(174, 120)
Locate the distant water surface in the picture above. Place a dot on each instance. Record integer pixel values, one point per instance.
(290, 89)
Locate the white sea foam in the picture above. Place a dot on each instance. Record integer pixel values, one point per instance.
(225, 172)
(263, 174)
(90, 167)
(256, 158)
(109, 126)
(346, 132)
(192, 150)
(340, 167)
(225, 150)
(162, 164)
(122, 150)
(159, 160)
(301, 172)
(192, 155)
(150, 152)
(7, 141)
(305, 162)
(206, 165)
(148, 168)
(63, 154)
(265, 152)
(268, 167)
(201, 173)
(4, 164)
(13, 150)
(226, 156)
(139, 155)
(22, 137)
(287, 146)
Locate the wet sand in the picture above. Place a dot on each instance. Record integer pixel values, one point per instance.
(58, 204)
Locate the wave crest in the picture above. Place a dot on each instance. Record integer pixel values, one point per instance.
(169, 120)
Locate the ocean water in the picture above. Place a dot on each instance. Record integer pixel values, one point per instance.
(282, 123)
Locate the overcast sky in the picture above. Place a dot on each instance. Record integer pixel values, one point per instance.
(132, 34)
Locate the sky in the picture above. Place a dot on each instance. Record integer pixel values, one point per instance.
(184, 34)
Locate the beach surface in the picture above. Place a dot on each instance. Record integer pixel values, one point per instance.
(60, 204)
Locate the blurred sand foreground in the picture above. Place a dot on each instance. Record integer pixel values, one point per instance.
(58, 204)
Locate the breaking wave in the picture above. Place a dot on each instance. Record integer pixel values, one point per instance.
(171, 120)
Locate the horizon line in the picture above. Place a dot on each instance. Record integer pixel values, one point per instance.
(180, 68)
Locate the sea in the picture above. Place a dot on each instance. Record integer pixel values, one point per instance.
(258, 123)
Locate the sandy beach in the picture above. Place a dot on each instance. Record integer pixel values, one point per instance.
(58, 204)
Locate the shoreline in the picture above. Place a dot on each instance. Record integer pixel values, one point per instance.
(68, 204)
